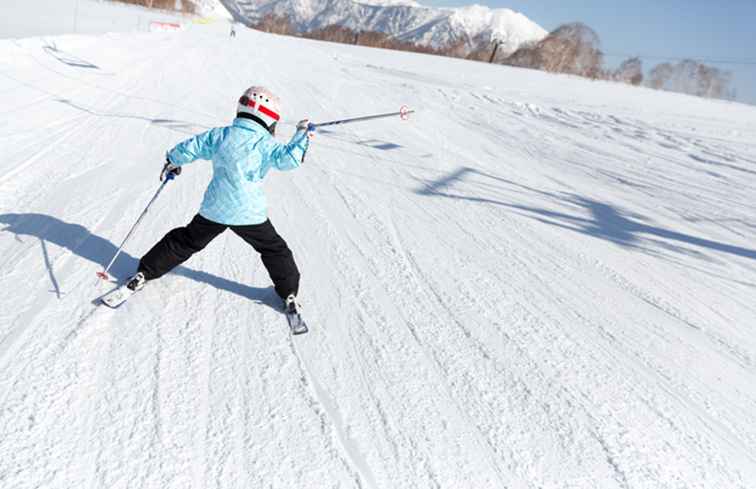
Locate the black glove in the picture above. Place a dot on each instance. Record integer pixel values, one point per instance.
(306, 125)
(169, 170)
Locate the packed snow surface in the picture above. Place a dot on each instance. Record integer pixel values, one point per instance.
(536, 282)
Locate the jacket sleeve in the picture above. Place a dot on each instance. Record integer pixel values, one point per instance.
(200, 147)
(287, 156)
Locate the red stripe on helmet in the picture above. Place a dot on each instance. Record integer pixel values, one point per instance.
(268, 112)
(244, 100)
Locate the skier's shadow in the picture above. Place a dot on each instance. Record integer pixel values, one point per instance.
(80, 241)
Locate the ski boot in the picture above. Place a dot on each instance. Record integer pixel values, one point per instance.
(136, 283)
(118, 296)
(296, 323)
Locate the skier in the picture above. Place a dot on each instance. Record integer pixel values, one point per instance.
(241, 154)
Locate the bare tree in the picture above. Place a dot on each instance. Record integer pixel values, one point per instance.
(528, 55)
(481, 53)
(344, 35)
(275, 24)
(570, 48)
(713, 83)
(692, 77)
(573, 48)
(334, 33)
(374, 39)
(660, 75)
(187, 6)
(630, 71)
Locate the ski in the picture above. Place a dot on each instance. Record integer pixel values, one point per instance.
(296, 323)
(295, 320)
(293, 317)
(121, 294)
(117, 296)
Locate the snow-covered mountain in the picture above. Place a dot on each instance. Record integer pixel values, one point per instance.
(387, 3)
(404, 20)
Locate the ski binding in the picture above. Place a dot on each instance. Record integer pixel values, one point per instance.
(117, 296)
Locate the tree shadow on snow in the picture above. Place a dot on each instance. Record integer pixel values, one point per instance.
(603, 220)
(81, 242)
(67, 58)
(171, 124)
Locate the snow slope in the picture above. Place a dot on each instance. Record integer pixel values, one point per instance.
(537, 282)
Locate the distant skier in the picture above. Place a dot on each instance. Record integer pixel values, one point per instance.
(233, 31)
(241, 154)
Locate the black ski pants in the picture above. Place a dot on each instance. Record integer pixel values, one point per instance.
(179, 244)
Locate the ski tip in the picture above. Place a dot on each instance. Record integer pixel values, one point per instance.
(299, 331)
(112, 302)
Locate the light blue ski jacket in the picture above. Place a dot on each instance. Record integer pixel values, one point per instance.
(242, 154)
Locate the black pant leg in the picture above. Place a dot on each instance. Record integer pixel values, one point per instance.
(178, 245)
(276, 256)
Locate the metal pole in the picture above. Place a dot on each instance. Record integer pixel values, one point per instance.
(404, 113)
(493, 54)
(104, 274)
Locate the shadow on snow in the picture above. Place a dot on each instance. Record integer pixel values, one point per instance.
(603, 221)
(67, 58)
(81, 242)
(172, 124)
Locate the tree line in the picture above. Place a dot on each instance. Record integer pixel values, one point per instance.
(185, 6)
(572, 48)
(575, 49)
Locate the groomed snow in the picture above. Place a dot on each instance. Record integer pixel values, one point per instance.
(536, 282)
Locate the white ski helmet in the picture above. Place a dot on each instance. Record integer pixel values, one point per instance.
(261, 103)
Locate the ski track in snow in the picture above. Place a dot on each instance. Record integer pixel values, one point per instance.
(538, 281)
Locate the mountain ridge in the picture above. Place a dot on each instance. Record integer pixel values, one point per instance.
(406, 21)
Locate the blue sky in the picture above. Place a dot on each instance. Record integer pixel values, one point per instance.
(699, 29)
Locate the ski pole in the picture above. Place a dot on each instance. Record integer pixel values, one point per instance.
(403, 113)
(104, 274)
